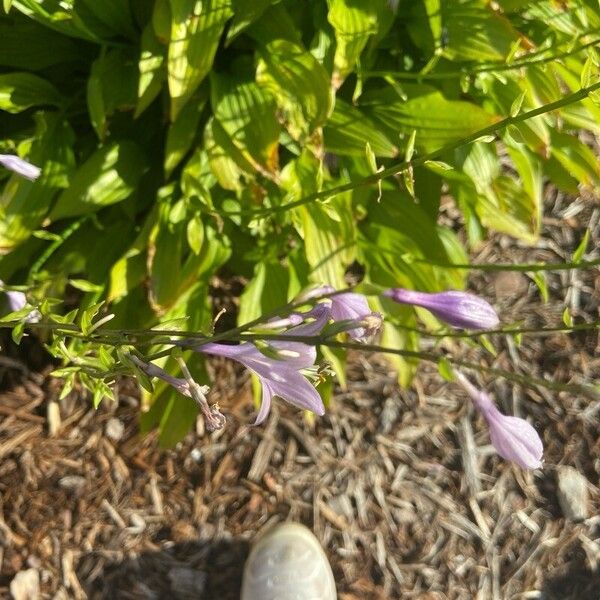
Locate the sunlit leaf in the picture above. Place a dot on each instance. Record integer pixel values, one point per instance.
(110, 175)
(20, 91)
(196, 27)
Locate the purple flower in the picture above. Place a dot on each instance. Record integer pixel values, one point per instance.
(280, 376)
(17, 301)
(349, 306)
(513, 438)
(20, 166)
(187, 387)
(354, 307)
(458, 309)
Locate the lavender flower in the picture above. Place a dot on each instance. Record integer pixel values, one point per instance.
(513, 438)
(17, 301)
(354, 307)
(349, 306)
(458, 309)
(187, 387)
(20, 166)
(279, 376)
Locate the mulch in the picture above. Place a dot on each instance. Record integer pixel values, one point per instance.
(401, 486)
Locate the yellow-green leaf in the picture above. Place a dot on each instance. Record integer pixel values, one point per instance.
(196, 27)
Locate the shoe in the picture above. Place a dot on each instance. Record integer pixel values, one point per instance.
(288, 563)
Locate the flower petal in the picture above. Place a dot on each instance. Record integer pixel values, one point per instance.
(20, 166)
(458, 309)
(297, 390)
(265, 405)
(515, 439)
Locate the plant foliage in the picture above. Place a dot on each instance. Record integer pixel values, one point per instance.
(183, 141)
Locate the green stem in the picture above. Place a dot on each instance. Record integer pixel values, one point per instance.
(524, 380)
(532, 267)
(510, 331)
(64, 236)
(411, 164)
(533, 59)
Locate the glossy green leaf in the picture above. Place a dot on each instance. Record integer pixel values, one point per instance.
(436, 120)
(111, 87)
(196, 27)
(108, 18)
(23, 203)
(152, 68)
(183, 131)
(247, 114)
(577, 158)
(349, 129)
(490, 35)
(354, 23)
(20, 91)
(266, 291)
(110, 175)
(24, 45)
(299, 84)
(57, 16)
(245, 13)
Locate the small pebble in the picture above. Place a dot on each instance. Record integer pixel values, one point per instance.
(72, 483)
(25, 585)
(572, 493)
(114, 429)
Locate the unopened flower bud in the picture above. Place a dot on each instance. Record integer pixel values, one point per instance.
(459, 309)
(513, 438)
(19, 166)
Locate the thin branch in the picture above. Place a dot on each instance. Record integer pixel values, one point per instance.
(532, 59)
(408, 164)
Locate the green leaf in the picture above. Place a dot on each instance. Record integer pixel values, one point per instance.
(475, 32)
(299, 84)
(247, 115)
(57, 16)
(336, 357)
(354, 23)
(110, 175)
(112, 86)
(24, 45)
(195, 233)
(539, 278)
(85, 286)
(436, 120)
(196, 27)
(17, 332)
(20, 91)
(445, 369)
(348, 130)
(245, 13)
(182, 132)
(152, 68)
(24, 204)
(577, 158)
(109, 18)
(515, 107)
(266, 291)
(581, 248)
(567, 317)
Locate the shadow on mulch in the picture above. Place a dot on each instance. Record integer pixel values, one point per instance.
(204, 569)
(576, 583)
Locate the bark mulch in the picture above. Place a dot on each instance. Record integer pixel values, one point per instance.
(401, 487)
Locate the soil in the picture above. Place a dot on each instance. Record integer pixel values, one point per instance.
(401, 486)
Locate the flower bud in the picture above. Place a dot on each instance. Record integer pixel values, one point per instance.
(20, 166)
(513, 438)
(459, 309)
